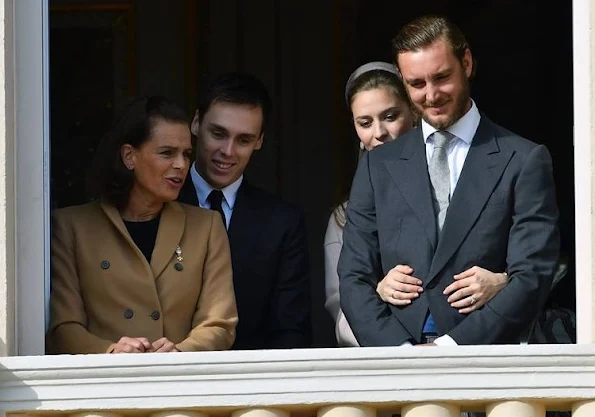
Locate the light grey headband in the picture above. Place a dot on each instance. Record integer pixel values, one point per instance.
(370, 66)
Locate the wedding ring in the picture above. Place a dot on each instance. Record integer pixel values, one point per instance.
(472, 299)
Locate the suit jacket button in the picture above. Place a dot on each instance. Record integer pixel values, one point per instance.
(128, 313)
(105, 264)
(155, 315)
(178, 266)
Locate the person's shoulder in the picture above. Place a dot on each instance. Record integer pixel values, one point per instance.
(260, 197)
(85, 219)
(73, 214)
(334, 228)
(395, 147)
(194, 214)
(510, 139)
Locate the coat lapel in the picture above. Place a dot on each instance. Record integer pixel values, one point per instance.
(483, 168)
(115, 218)
(169, 236)
(410, 174)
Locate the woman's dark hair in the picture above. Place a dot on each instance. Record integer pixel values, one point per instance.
(108, 178)
(377, 78)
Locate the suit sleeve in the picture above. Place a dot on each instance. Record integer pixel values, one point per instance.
(332, 248)
(360, 268)
(290, 303)
(532, 256)
(68, 320)
(215, 319)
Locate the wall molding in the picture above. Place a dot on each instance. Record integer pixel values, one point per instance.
(311, 377)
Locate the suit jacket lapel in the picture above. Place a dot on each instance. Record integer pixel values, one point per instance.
(169, 235)
(171, 229)
(115, 218)
(484, 165)
(410, 173)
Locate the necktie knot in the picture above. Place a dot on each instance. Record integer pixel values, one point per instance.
(215, 199)
(442, 138)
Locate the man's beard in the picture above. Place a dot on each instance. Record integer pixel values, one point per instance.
(459, 110)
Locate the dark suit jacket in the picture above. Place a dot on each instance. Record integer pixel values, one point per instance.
(502, 217)
(269, 252)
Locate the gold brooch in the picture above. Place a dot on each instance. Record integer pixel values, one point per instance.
(179, 258)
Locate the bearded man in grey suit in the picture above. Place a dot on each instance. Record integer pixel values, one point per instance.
(457, 195)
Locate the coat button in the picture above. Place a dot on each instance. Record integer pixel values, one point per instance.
(105, 264)
(155, 315)
(128, 313)
(178, 266)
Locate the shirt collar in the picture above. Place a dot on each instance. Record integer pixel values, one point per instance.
(203, 188)
(464, 128)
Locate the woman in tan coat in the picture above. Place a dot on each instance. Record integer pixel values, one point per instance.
(136, 271)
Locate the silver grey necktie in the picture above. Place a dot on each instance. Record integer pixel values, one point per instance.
(440, 175)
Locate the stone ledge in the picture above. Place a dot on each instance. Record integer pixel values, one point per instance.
(554, 374)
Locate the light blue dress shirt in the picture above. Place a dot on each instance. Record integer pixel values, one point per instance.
(203, 189)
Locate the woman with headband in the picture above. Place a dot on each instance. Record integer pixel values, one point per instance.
(381, 112)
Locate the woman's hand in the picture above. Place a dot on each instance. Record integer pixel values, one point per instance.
(398, 287)
(473, 288)
(164, 345)
(132, 345)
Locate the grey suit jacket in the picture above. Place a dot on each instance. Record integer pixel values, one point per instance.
(502, 217)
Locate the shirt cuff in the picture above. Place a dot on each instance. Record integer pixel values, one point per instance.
(445, 340)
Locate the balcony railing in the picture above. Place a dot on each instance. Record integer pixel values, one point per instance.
(510, 381)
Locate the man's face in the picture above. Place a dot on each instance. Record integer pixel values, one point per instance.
(226, 138)
(437, 82)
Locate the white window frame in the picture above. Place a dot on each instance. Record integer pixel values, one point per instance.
(583, 53)
(31, 118)
(31, 126)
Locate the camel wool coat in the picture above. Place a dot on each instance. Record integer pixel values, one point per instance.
(103, 288)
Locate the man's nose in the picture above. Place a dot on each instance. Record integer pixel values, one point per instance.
(432, 93)
(228, 148)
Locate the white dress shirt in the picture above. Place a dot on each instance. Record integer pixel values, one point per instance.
(203, 189)
(463, 131)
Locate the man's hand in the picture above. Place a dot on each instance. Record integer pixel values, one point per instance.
(398, 287)
(427, 344)
(164, 345)
(132, 345)
(473, 288)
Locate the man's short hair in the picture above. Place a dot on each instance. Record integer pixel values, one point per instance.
(236, 88)
(426, 30)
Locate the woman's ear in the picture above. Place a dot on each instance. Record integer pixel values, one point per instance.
(127, 155)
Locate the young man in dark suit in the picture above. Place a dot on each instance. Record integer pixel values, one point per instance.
(267, 235)
(455, 197)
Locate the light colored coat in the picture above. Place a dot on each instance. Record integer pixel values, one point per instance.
(103, 288)
(333, 242)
